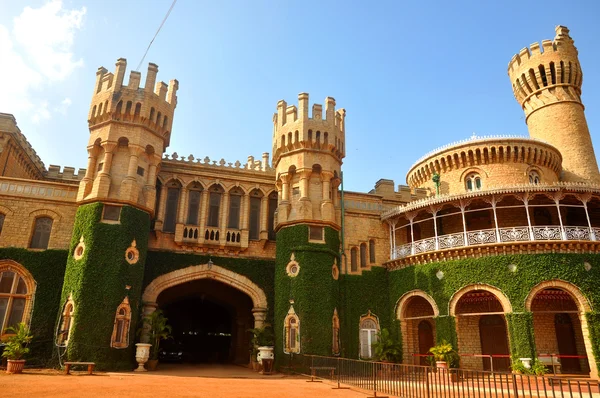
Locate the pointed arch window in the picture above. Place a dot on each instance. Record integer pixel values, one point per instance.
(64, 332)
(363, 255)
(271, 220)
(534, 177)
(16, 294)
(41, 233)
(2, 217)
(120, 336)
(473, 182)
(369, 327)
(372, 251)
(292, 332)
(172, 205)
(214, 205)
(194, 195)
(235, 204)
(255, 204)
(353, 260)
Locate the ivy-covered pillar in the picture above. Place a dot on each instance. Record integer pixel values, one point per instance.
(105, 265)
(445, 330)
(521, 334)
(593, 334)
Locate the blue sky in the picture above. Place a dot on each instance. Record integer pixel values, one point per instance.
(412, 76)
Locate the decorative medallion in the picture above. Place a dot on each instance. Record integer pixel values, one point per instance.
(132, 254)
(79, 249)
(293, 268)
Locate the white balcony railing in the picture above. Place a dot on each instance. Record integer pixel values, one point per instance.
(501, 235)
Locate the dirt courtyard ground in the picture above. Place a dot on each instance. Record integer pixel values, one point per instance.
(169, 382)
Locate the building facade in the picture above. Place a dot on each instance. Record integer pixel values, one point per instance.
(491, 246)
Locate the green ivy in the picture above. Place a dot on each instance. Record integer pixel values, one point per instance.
(593, 319)
(445, 330)
(520, 332)
(48, 269)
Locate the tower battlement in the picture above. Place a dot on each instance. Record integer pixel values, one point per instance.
(293, 128)
(151, 106)
(551, 65)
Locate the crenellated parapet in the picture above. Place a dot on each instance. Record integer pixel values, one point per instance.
(294, 129)
(151, 106)
(66, 174)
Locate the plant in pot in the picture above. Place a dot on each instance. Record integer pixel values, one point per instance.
(158, 330)
(16, 348)
(386, 349)
(442, 354)
(261, 348)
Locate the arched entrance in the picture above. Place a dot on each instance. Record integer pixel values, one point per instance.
(210, 310)
(416, 311)
(481, 327)
(557, 324)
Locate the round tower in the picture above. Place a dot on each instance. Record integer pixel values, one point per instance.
(307, 157)
(546, 82)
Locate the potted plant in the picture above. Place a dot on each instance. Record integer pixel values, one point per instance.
(16, 348)
(442, 354)
(158, 330)
(261, 347)
(386, 349)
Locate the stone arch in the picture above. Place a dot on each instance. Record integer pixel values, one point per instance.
(401, 303)
(30, 283)
(504, 301)
(45, 212)
(472, 169)
(6, 210)
(574, 291)
(195, 272)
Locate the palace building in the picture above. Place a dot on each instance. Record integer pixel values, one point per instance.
(492, 244)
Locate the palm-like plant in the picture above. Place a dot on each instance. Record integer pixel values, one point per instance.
(158, 330)
(16, 346)
(386, 349)
(442, 351)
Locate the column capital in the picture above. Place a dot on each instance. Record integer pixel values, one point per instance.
(108, 146)
(136, 150)
(327, 175)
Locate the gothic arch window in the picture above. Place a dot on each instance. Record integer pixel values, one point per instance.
(256, 197)
(214, 205)
(363, 255)
(41, 233)
(292, 332)
(66, 321)
(353, 260)
(335, 347)
(2, 217)
(120, 336)
(372, 251)
(171, 205)
(235, 204)
(473, 182)
(194, 195)
(16, 295)
(534, 177)
(271, 220)
(369, 327)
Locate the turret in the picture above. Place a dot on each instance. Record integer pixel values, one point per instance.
(307, 154)
(547, 82)
(130, 128)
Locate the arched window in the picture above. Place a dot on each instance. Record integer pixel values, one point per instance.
(369, 327)
(235, 203)
(128, 108)
(255, 203)
(194, 195)
(363, 255)
(16, 293)
(335, 346)
(172, 205)
(152, 114)
(214, 205)
(41, 233)
(353, 260)
(62, 339)
(120, 336)
(2, 217)
(271, 220)
(138, 109)
(473, 182)
(292, 332)
(534, 177)
(372, 251)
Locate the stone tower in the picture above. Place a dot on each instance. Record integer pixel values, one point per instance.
(130, 128)
(546, 81)
(307, 157)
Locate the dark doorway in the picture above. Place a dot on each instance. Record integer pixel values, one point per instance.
(565, 337)
(494, 341)
(210, 320)
(425, 341)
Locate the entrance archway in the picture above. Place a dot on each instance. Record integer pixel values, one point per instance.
(210, 310)
(558, 320)
(481, 327)
(416, 310)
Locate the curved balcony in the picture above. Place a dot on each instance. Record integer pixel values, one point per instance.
(520, 219)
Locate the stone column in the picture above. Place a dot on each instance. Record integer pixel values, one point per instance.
(102, 186)
(260, 314)
(181, 212)
(203, 211)
(304, 204)
(148, 309)
(129, 188)
(150, 184)
(85, 187)
(264, 212)
(285, 187)
(224, 210)
(327, 208)
(161, 208)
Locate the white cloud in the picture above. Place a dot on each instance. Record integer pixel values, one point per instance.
(64, 105)
(36, 54)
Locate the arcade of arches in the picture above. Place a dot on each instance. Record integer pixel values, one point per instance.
(559, 326)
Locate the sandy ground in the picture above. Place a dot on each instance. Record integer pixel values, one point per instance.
(170, 381)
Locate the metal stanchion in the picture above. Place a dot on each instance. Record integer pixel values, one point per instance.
(339, 375)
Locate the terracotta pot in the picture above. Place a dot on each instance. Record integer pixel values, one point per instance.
(15, 366)
(441, 364)
(152, 364)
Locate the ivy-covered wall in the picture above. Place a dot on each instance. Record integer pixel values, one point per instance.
(98, 284)
(48, 269)
(314, 291)
(531, 269)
